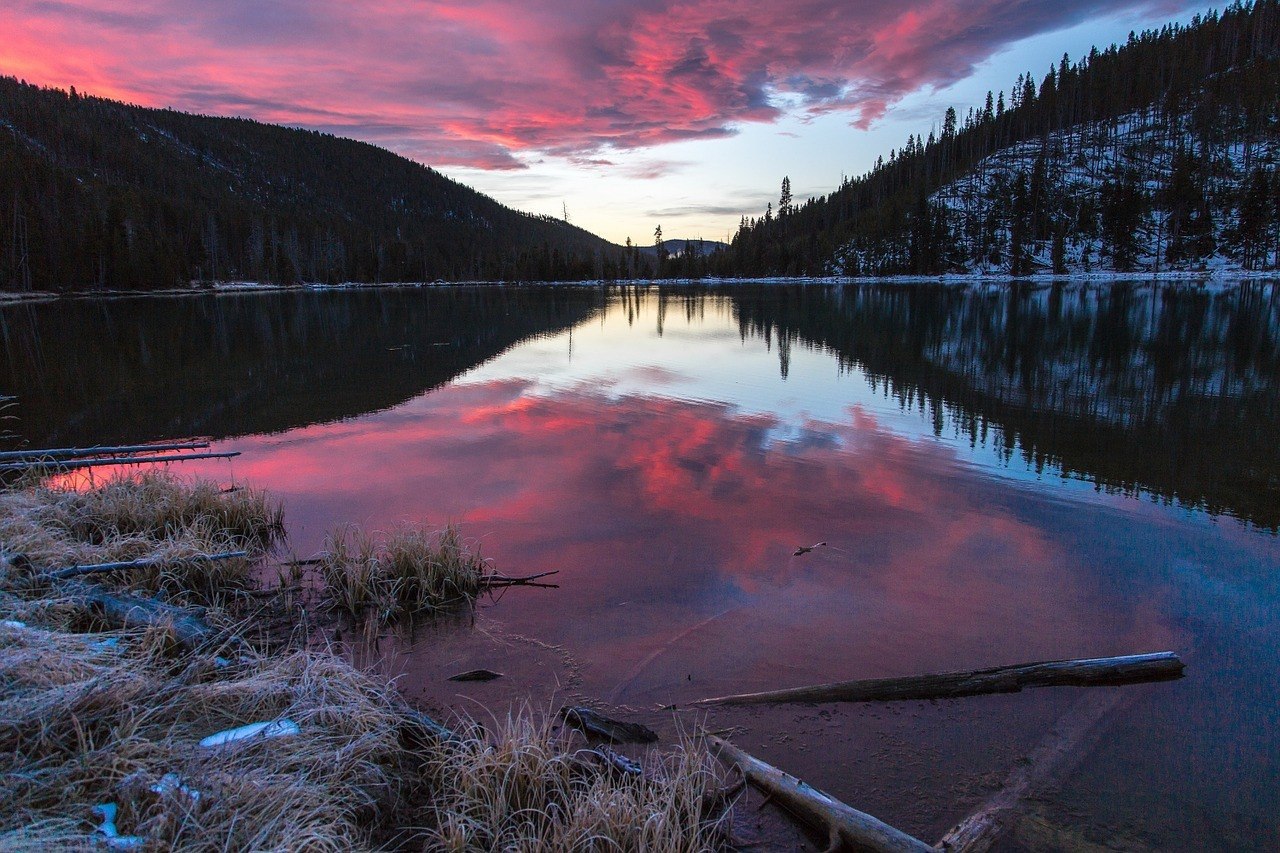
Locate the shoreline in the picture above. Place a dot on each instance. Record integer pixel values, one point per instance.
(295, 738)
(1202, 278)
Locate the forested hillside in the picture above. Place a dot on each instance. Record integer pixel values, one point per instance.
(1158, 154)
(95, 194)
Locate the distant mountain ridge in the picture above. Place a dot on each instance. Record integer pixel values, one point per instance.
(99, 194)
(678, 247)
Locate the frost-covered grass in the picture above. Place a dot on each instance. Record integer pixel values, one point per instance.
(518, 787)
(405, 571)
(149, 516)
(93, 719)
(114, 719)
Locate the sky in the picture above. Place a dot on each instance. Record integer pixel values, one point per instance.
(620, 114)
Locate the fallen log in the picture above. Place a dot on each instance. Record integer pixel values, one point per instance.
(76, 464)
(122, 610)
(1087, 672)
(74, 452)
(846, 827)
(599, 727)
(101, 568)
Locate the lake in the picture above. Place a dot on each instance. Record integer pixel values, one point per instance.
(1001, 473)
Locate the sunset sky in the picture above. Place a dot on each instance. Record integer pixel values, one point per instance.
(625, 114)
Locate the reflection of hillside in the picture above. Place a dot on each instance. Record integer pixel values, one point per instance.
(1168, 390)
(230, 365)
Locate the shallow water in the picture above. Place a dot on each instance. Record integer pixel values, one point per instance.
(1000, 474)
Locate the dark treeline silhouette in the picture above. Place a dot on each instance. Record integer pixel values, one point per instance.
(1192, 109)
(1171, 391)
(126, 370)
(96, 194)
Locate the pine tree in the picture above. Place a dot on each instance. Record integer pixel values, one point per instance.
(1123, 209)
(1251, 232)
(1058, 255)
(1190, 222)
(1019, 256)
(949, 124)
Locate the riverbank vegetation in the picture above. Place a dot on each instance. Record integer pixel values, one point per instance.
(117, 735)
(406, 571)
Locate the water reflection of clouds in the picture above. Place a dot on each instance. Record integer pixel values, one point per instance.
(683, 510)
(701, 355)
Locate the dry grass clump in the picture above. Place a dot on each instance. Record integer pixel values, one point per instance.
(88, 719)
(521, 788)
(408, 570)
(102, 718)
(147, 516)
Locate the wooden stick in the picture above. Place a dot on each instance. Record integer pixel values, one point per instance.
(421, 730)
(503, 580)
(1087, 672)
(597, 726)
(124, 460)
(99, 568)
(519, 583)
(846, 827)
(73, 452)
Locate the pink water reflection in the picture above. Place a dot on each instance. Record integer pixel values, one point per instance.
(673, 522)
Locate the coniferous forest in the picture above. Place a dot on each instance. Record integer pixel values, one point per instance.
(1159, 154)
(95, 194)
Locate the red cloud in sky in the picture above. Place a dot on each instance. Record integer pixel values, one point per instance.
(477, 83)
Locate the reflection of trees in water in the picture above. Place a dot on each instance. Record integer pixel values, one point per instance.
(1170, 390)
(138, 369)
(1174, 391)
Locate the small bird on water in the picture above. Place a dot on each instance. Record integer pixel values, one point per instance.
(805, 549)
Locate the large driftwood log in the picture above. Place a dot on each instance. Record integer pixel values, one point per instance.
(846, 827)
(101, 568)
(74, 452)
(1068, 743)
(122, 610)
(76, 464)
(1129, 669)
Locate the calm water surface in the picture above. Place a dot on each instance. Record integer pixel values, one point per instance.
(1000, 474)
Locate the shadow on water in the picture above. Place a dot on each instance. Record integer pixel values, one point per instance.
(111, 371)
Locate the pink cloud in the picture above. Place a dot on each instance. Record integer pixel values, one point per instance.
(480, 82)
